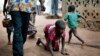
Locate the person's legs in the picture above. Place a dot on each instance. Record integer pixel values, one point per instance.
(76, 35)
(33, 18)
(52, 14)
(25, 22)
(37, 9)
(56, 8)
(17, 38)
(34, 28)
(40, 41)
(52, 7)
(33, 33)
(70, 35)
(9, 35)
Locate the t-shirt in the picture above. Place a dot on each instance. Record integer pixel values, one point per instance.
(72, 18)
(51, 35)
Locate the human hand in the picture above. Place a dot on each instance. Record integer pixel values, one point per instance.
(4, 11)
(64, 53)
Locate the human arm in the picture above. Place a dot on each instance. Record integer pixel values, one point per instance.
(4, 7)
(42, 6)
(66, 17)
(50, 47)
(84, 20)
(63, 45)
(41, 2)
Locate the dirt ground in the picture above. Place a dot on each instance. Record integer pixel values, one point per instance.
(91, 38)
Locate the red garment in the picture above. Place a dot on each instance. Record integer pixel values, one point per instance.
(49, 31)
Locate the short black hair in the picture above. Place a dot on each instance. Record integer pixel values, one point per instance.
(60, 24)
(71, 8)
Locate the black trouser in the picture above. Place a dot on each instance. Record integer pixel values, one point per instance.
(20, 22)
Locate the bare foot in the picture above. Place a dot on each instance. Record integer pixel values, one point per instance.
(33, 35)
(83, 44)
(57, 17)
(63, 53)
(68, 43)
(49, 17)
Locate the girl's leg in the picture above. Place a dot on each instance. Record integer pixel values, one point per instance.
(33, 22)
(76, 35)
(40, 41)
(70, 35)
(9, 34)
(39, 9)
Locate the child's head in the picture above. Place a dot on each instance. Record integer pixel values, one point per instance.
(71, 8)
(60, 26)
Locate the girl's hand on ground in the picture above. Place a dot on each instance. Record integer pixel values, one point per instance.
(64, 53)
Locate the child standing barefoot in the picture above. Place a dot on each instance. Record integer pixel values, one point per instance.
(72, 18)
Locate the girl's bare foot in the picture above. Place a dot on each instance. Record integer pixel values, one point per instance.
(83, 44)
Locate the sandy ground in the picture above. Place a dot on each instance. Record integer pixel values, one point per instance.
(91, 38)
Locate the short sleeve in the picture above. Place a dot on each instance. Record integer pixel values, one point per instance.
(66, 16)
(51, 35)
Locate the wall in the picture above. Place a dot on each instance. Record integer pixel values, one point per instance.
(89, 9)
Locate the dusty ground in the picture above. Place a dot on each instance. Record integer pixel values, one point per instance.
(91, 38)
